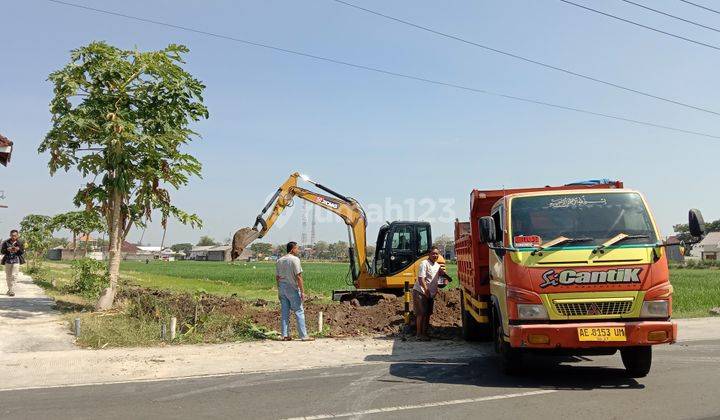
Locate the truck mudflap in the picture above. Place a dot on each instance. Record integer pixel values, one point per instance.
(582, 335)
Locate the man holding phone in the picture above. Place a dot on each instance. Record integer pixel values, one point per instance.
(13, 254)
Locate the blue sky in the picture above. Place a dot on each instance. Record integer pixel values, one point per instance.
(375, 137)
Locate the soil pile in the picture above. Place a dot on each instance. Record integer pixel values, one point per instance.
(367, 315)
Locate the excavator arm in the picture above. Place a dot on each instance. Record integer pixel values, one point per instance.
(348, 209)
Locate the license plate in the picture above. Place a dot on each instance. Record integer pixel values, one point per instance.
(602, 334)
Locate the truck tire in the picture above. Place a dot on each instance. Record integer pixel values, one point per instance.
(470, 327)
(637, 360)
(510, 358)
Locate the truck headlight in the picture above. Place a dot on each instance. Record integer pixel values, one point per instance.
(655, 309)
(531, 311)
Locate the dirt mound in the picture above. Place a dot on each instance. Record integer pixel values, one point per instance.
(370, 315)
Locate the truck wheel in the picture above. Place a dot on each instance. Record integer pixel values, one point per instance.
(637, 360)
(511, 358)
(470, 327)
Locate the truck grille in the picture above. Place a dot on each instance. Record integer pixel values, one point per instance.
(615, 307)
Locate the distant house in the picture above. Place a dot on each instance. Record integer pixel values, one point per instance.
(6, 147)
(709, 247)
(131, 251)
(219, 253)
(199, 253)
(672, 250)
(127, 250)
(59, 253)
(149, 249)
(85, 247)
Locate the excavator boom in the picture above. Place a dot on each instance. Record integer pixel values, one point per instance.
(345, 207)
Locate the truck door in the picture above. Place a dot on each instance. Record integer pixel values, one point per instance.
(498, 288)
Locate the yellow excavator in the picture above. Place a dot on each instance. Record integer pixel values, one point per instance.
(400, 247)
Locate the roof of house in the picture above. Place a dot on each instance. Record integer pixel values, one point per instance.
(128, 247)
(220, 248)
(710, 240)
(202, 248)
(149, 248)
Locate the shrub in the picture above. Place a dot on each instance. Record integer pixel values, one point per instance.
(34, 270)
(89, 278)
(697, 264)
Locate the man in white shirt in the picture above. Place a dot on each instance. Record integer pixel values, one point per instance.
(424, 291)
(291, 291)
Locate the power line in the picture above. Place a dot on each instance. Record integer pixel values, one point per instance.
(715, 47)
(387, 72)
(692, 22)
(528, 60)
(701, 6)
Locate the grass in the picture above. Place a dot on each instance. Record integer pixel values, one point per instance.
(125, 327)
(117, 329)
(246, 280)
(696, 292)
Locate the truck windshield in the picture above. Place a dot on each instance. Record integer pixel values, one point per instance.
(594, 217)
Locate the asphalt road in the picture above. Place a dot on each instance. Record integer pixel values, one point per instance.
(684, 383)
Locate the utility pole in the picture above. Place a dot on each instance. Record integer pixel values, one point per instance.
(303, 235)
(312, 228)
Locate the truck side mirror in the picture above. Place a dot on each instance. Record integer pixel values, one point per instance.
(696, 223)
(487, 230)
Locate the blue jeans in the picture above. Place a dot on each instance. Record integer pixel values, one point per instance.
(290, 301)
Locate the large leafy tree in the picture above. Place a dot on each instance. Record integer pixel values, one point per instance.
(36, 230)
(120, 118)
(183, 247)
(79, 222)
(262, 249)
(206, 241)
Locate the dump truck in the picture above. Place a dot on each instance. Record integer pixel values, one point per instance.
(574, 269)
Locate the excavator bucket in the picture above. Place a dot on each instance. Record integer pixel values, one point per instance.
(242, 239)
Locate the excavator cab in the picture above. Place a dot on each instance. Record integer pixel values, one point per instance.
(399, 245)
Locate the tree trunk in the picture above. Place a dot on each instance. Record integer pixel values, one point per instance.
(87, 244)
(162, 242)
(114, 249)
(74, 244)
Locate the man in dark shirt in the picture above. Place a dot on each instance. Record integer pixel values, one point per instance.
(13, 251)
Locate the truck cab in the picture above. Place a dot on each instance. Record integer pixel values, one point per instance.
(578, 268)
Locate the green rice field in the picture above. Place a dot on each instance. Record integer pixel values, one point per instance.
(696, 291)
